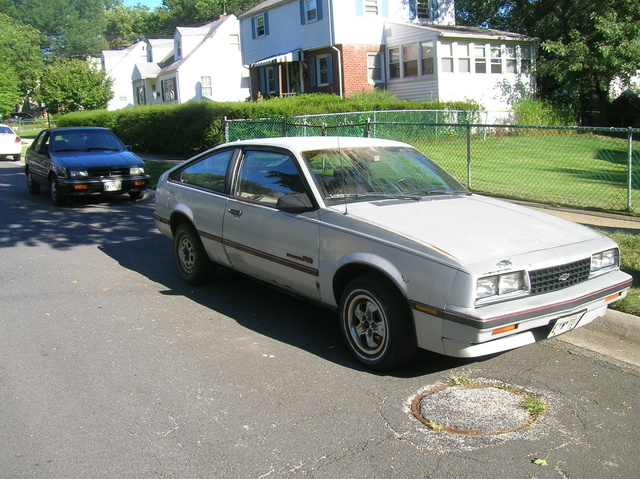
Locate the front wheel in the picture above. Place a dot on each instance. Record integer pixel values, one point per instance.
(377, 324)
(191, 258)
(57, 198)
(136, 195)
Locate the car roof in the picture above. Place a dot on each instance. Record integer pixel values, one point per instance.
(307, 143)
(2, 124)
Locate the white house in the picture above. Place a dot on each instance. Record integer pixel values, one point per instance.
(409, 47)
(118, 65)
(203, 63)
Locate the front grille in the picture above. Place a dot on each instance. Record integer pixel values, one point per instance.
(106, 172)
(559, 277)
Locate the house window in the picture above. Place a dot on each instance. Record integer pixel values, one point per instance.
(496, 59)
(525, 58)
(464, 59)
(512, 63)
(447, 57)
(410, 60)
(427, 58)
(323, 70)
(234, 40)
(394, 63)
(178, 47)
(423, 11)
(168, 90)
(205, 86)
(374, 67)
(371, 7)
(260, 24)
(312, 10)
(480, 58)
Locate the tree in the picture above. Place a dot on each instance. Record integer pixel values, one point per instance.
(584, 44)
(20, 61)
(72, 85)
(70, 28)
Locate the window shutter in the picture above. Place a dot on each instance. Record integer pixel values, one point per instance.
(253, 28)
(303, 12)
(263, 81)
(330, 69)
(413, 9)
(266, 23)
(312, 71)
(319, 9)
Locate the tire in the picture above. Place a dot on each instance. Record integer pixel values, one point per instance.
(16, 157)
(190, 256)
(57, 198)
(377, 324)
(136, 195)
(34, 188)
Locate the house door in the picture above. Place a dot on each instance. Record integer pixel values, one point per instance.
(294, 83)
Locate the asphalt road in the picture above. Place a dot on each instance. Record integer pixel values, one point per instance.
(111, 367)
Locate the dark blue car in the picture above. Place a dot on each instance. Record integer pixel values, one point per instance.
(83, 161)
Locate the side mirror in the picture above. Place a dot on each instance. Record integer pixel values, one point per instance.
(297, 203)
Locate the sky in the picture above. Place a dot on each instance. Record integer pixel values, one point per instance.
(148, 3)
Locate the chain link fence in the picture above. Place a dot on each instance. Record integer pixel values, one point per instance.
(591, 168)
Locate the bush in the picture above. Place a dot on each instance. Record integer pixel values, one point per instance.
(196, 126)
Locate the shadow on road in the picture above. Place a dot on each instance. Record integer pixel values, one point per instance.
(124, 231)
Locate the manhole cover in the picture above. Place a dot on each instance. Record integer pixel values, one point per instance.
(476, 409)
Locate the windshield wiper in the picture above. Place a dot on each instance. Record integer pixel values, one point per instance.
(442, 192)
(413, 197)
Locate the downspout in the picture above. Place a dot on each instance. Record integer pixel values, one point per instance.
(333, 46)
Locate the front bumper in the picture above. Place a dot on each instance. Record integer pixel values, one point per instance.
(512, 324)
(110, 185)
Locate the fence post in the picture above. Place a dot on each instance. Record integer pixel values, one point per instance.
(629, 167)
(284, 126)
(367, 125)
(226, 129)
(469, 155)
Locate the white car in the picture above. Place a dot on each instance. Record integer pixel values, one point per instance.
(10, 143)
(375, 230)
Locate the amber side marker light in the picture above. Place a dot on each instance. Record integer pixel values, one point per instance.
(138, 183)
(612, 297)
(80, 187)
(504, 329)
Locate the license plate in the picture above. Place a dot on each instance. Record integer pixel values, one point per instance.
(566, 323)
(112, 185)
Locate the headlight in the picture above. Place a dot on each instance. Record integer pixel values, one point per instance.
(79, 174)
(604, 260)
(501, 284)
(137, 170)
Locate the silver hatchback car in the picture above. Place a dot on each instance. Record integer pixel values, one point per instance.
(405, 254)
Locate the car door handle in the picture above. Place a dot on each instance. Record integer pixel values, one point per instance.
(235, 212)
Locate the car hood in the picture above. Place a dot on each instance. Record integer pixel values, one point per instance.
(97, 158)
(472, 228)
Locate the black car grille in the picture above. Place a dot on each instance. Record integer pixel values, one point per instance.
(106, 172)
(559, 277)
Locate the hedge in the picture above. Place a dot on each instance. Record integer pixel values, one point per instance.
(196, 126)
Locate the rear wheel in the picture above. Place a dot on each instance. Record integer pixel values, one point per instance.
(16, 157)
(377, 323)
(57, 198)
(34, 188)
(190, 256)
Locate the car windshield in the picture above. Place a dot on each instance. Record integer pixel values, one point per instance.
(84, 140)
(365, 173)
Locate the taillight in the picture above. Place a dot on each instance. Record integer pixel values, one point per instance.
(18, 140)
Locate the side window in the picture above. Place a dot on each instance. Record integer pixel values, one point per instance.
(265, 176)
(208, 173)
(42, 142)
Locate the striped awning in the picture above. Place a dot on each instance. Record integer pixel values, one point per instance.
(294, 56)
